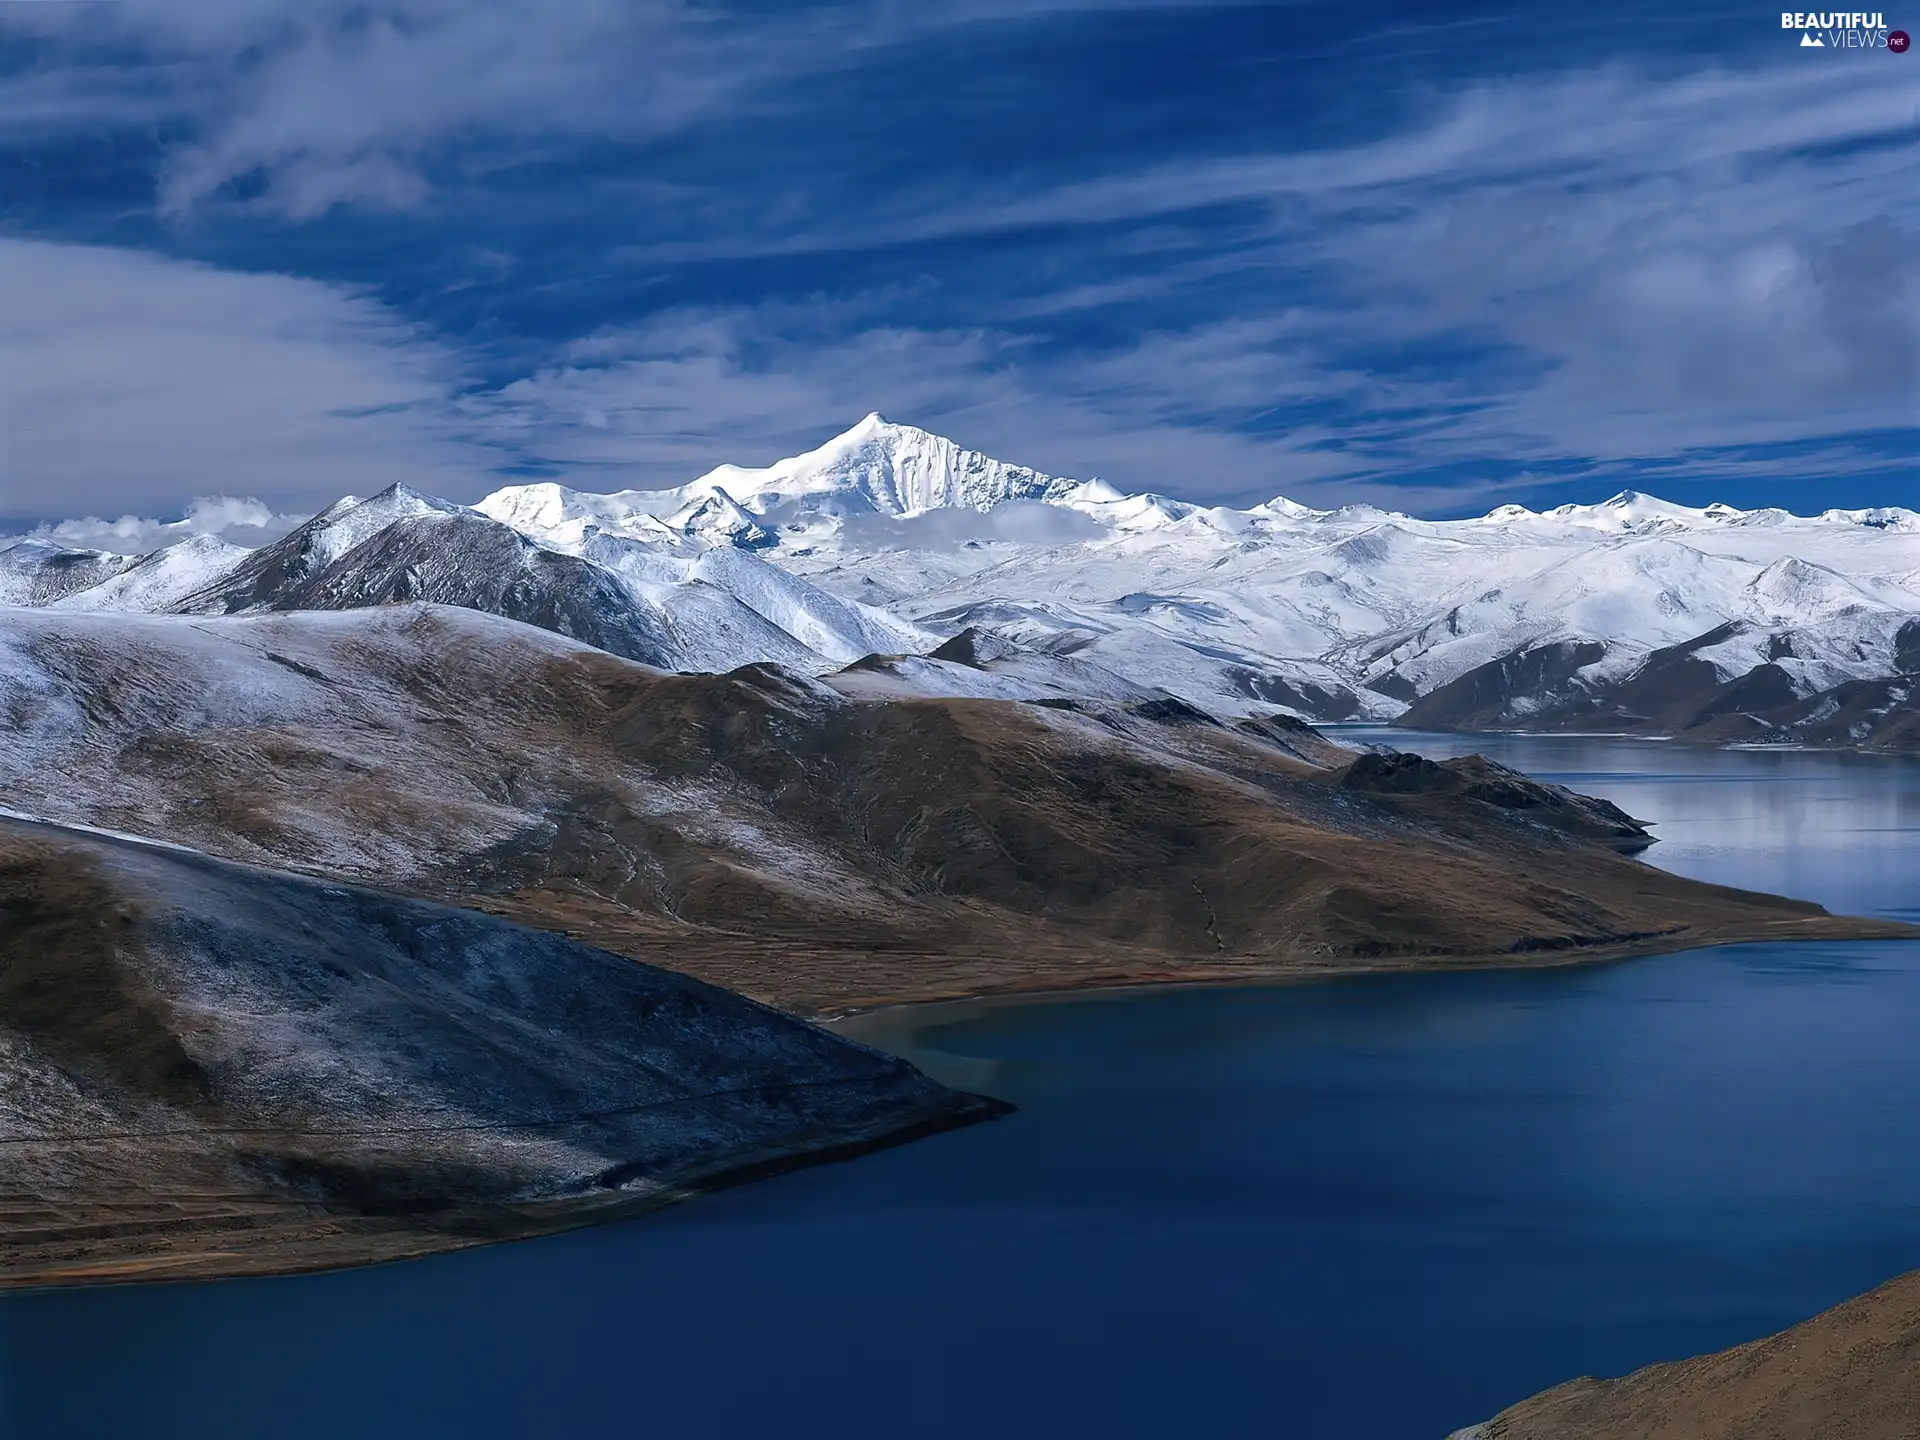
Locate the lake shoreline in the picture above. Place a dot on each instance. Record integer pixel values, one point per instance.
(1335, 729)
(316, 1240)
(1808, 930)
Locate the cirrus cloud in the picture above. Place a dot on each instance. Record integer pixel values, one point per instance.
(128, 380)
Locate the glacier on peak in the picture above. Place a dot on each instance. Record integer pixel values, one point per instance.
(878, 466)
(719, 519)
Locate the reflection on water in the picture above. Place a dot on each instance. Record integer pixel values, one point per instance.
(1378, 1208)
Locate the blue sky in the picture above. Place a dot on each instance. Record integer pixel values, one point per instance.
(1436, 257)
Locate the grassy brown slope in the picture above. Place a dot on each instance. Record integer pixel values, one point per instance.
(1852, 1371)
(762, 831)
(1006, 847)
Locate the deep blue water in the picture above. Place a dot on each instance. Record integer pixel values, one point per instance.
(1378, 1208)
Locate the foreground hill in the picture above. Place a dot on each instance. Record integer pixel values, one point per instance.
(812, 843)
(1853, 1370)
(211, 1069)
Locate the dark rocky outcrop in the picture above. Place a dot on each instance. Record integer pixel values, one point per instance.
(1668, 684)
(1395, 687)
(1170, 710)
(1528, 685)
(975, 647)
(1906, 647)
(1318, 702)
(1476, 780)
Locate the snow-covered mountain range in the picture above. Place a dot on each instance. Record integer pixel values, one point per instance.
(943, 571)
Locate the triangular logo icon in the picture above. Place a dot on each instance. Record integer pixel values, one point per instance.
(1809, 42)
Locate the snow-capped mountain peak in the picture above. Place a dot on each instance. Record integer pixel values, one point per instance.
(544, 505)
(1632, 510)
(884, 468)
(1798, 590)
(341, 527)
(876, 468)
(1879, 517)
(558, 515)
(719, 519)
(1280, 507)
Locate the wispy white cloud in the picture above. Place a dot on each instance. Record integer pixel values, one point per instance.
(655, 404)
(1772, 128)
(129, 381)
(1575, 271)
(331, 101)
(1611, 266)
(236, 519)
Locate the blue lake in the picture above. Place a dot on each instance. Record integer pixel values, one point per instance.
(1375, 1209)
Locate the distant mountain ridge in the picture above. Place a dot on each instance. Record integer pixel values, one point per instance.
(1633, 614)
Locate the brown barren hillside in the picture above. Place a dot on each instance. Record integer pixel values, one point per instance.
(766, 831)
(1852, 1371)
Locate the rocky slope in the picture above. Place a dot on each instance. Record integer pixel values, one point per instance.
(210, 1069)
(1680, 691)
(1473, 782)
(1853, 1370)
